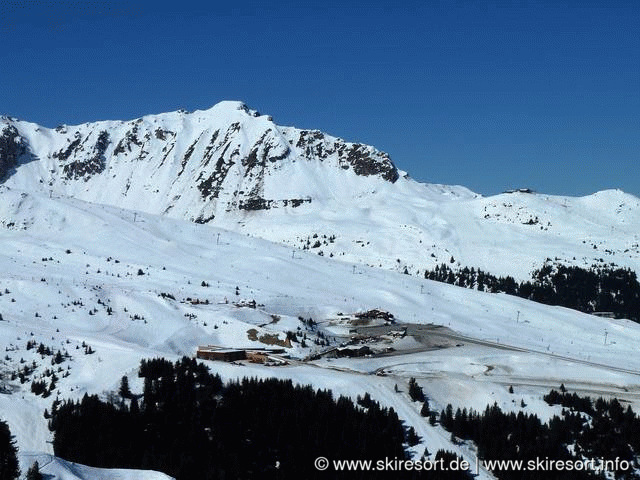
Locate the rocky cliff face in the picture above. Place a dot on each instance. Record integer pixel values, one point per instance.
(11, 148)
(195, 165)
(363, 159)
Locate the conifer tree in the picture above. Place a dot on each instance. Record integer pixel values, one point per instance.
(124, 390)
(34, 472)
(9, 469)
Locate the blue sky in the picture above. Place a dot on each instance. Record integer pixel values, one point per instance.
(494, 95)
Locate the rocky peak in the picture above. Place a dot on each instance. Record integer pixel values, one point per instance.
(195, 165)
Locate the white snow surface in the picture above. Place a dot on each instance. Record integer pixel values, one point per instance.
(56, 468)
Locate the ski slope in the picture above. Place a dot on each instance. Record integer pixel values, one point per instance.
(64, 261)
(56, 468)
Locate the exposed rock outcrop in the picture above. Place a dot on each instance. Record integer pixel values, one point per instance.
(12, 147)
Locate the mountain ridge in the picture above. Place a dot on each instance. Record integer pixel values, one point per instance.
(227, 152)
(233, 167)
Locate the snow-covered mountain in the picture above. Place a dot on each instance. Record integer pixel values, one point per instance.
(130, 240)
(198, 165)
(237, 169)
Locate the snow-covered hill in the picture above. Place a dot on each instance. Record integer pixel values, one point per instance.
(53, 468)
(108, 288)
(234, 168)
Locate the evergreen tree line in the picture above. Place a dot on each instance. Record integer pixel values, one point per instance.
(188, 424)
(597, 289)
(572, 401)
(594, 430)
(600, 428)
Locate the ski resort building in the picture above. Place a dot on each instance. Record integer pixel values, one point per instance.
(255, 355)
(222, 354)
